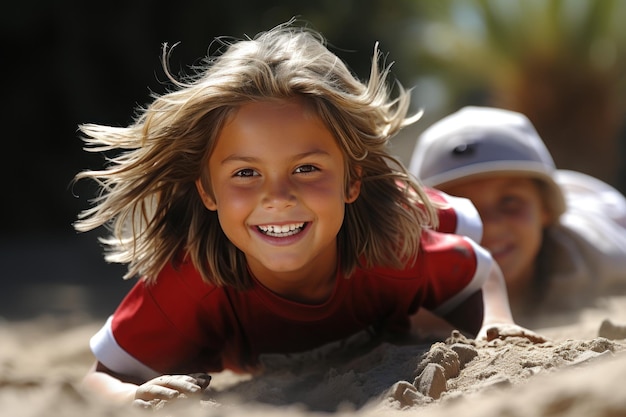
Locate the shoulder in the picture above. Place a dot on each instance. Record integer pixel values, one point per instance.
(447, 269)
(589, 240)
(185, 275)
(447, 250)
(585, 194)
(595, 217)
(439, 255)
(456, 215)
(179, 304)
(178, 290)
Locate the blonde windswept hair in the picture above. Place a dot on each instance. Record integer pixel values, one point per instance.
(148, 198)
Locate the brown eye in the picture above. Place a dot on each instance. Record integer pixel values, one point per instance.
(511, 203)
(305, 169)
(245, 173)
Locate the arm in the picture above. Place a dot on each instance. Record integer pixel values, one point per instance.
(101, 380)
(457, 215)
(497, 318)
(471, 289)
(125, 390)
(486, 313)
(495, 299)
(124, 377)
(483, 310)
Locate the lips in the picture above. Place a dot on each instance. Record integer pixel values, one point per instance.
(281, 230)
(499, 251)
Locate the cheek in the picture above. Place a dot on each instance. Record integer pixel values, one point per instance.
(325, 197)
(525, 221)
(233, 211)
(232, 203)
(535, 217)
(530, 227)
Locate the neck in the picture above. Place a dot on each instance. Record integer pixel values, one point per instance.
(310, 285)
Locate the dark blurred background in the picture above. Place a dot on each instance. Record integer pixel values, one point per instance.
(65, 63)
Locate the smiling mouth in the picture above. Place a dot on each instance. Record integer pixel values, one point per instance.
(499, 251)
(283, 230)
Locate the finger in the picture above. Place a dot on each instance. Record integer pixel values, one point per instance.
(202, 380)
(517, 331)
(492, 333)
(504, 332)
(139, 403)
(186, 383)
(181, 383)
(150, 392)
(535, 338)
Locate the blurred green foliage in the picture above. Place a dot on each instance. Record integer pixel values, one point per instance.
(560, 62)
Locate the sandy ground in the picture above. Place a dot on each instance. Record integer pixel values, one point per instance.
(580, 372)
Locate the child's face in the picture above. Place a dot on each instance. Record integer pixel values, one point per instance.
(277, 175)
(514, 217)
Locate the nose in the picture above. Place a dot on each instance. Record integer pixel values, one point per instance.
(278, 192)
(492, 223)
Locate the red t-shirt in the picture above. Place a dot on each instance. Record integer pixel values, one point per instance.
(182, 324)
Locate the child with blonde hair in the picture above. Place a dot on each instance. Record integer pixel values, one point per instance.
(259, 206)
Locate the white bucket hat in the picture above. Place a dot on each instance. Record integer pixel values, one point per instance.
(478, 142)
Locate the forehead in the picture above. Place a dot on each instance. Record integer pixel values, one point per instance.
(280, 126)
(500, 183)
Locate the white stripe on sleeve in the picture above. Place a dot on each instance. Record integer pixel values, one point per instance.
(484, 262)
(468, 220)
(110, 354)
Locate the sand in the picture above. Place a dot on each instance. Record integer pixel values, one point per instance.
(581, 371)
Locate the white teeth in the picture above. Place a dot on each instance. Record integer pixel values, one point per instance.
(281, 230)
(496, 250)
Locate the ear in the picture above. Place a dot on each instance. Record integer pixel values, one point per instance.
(208, 201)
(355, 187)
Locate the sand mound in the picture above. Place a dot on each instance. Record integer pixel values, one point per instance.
(580, 372)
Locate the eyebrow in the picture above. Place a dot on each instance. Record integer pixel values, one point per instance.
(244, 158)
(518, 181)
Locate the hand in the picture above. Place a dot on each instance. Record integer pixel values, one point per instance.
(167, 388)
(504, 330)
